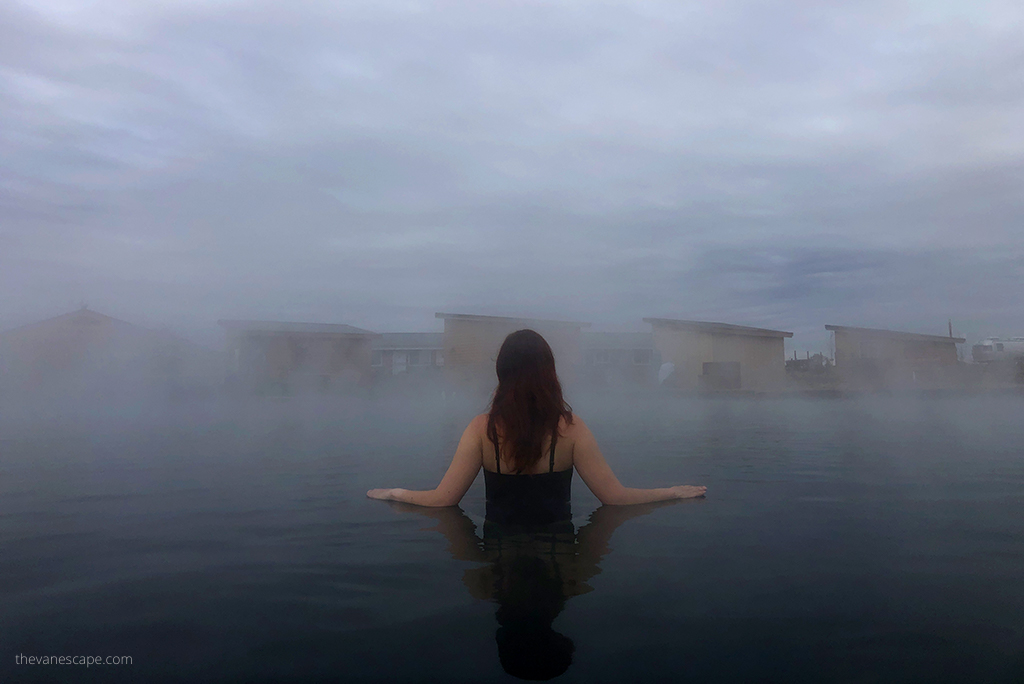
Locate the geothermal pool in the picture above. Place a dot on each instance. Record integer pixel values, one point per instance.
(865, 539)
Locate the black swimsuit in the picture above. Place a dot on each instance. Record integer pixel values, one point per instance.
(538, 499)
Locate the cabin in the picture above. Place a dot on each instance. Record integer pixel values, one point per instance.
(871, 358)
(281, 357)
(471, 343)
(87, 354)
(702, 356)
(619, 360)
(403, 360)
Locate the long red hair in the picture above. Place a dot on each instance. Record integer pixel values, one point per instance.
(528, 403)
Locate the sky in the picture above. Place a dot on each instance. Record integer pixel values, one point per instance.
(777, 164)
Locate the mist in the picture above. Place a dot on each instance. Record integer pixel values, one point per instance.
(257, 259)
(371, 164)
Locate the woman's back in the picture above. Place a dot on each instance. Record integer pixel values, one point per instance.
(540, 497)
(528, 420)
(564, 447)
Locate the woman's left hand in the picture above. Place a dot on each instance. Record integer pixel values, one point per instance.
(381, 494)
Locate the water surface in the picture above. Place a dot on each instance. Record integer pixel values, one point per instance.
(871, 539)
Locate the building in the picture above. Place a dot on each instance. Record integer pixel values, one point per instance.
(620, 360)
(88, 354)
(999, 349)
(407, 359)
(869, 358)
(705, 356)
(999, 360)
(471, 343)
(281, 357)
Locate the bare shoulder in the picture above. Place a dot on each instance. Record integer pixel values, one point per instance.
(478, 426)
(574, 430)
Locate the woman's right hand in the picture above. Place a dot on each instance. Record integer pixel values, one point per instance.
(689, 491)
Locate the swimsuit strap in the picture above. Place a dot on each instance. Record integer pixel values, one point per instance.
(551, 460)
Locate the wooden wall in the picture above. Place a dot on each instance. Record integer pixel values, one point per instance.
(762, 359)
(471, 349)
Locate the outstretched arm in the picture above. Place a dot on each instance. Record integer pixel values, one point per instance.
(598, 475)
(465, 465)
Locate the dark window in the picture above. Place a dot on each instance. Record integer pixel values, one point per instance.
(642, 357)
(378, 358)
(420, 357)
(999, 346)
(722, 375)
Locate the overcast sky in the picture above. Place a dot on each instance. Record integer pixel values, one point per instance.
(784, 165)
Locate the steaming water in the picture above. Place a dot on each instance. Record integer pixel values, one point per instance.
(877, 539)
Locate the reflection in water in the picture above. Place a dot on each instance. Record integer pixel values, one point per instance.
(530, 572)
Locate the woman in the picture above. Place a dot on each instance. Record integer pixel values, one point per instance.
(529, 420)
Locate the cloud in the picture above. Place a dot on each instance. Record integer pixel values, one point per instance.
(782, 164)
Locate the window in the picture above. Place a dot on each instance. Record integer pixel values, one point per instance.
(999, 346)
(600, 357)
(377, 359)
(642, 357)
(438, 358)
(721, 375)
(422, 357)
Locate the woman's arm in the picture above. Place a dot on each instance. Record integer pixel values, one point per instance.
(465, 465)
(598, 475)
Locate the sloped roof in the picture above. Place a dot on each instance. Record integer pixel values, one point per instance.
(82, 315)
(879, 332)
(716, 328)
(125, 330)
(508, 319)
(292, 327)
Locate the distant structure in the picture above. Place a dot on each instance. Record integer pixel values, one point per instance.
(811, 373)
(280, 357)
(471, 343)
(870, 358)
(86, 354)
(405, 359)
(707, 356)
(997, 349)
(1000, 359)
(619, 360)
